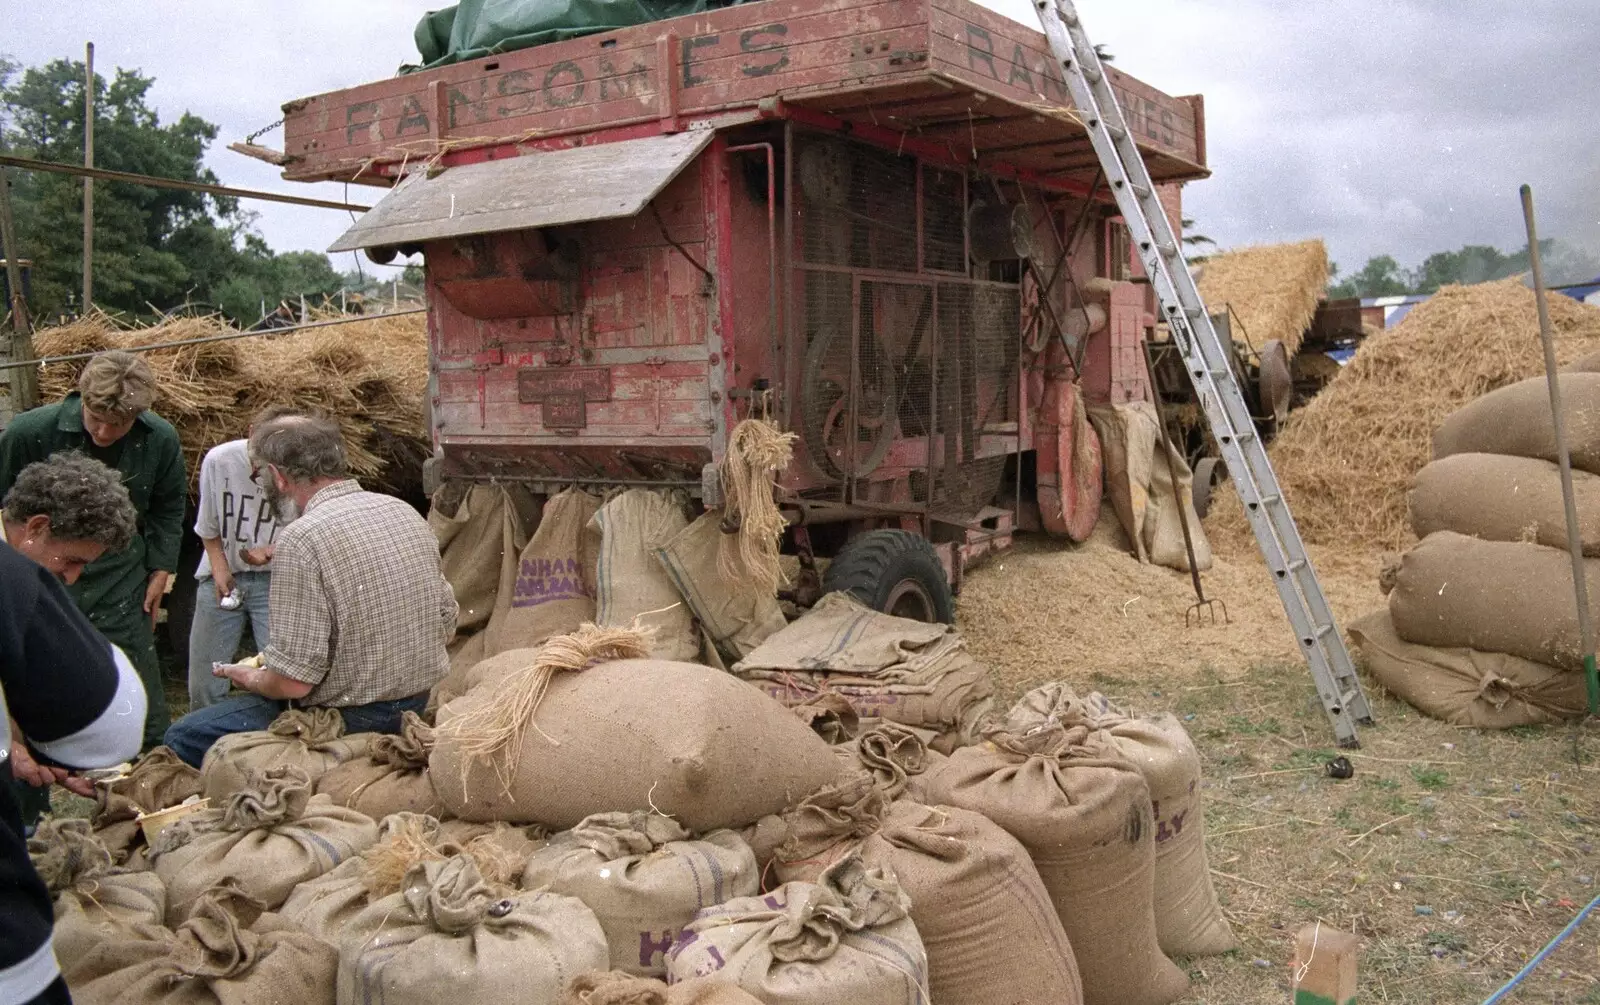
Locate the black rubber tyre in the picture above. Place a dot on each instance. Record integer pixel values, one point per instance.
(896, 572)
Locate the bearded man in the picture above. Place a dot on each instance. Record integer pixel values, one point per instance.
(359, 611)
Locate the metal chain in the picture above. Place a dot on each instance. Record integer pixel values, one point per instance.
(266, 129)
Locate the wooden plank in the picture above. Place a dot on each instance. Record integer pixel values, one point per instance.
(1005, 58)
(564, 77)
(1325, 966)
(834, 55)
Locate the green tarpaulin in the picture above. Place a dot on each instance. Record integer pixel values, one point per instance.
(475, 28)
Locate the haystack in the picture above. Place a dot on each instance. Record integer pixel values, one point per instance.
(1347, 458)
(1273, 290)
(371, 375)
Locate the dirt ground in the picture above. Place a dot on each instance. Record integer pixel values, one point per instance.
(1454, 853)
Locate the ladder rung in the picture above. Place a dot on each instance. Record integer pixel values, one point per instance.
(1269, 500)
(1117, 132)
(1167, 250)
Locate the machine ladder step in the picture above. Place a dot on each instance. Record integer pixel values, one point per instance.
(1207, 360)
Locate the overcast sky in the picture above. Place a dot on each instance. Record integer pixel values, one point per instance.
(1382, 126)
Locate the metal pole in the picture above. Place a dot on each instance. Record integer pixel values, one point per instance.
(1580, 583)
(88, 182)
(30, 164)
(25, 383)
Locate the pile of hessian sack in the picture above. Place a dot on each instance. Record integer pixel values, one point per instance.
(604, 814)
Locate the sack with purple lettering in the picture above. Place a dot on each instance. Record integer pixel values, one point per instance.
(891, 668)
(846, 938)
(644, 878)
(1189, 920)
(553, 593)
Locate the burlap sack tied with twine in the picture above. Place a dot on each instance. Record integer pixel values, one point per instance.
(325, 905)
(94, 901)
(846, 938)
(1466, 687)
(553, 590)
(480, 530)
(618, 988)
(896, 756)
(1082, 810)
(632, 590)
(893, 668)
(644, 877)
(726, 564)
(157, 781)
(586, 727)
(268, 838)
(991, 934)
(226, 953)
(449, 936)
(311, 740)
(391, 778)
(1189, 920)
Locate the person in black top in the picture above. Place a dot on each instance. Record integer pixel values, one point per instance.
(79, 702)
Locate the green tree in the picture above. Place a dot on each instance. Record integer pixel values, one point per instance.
(156, 249)
(1382, 276)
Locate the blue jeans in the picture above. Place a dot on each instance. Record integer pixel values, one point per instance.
(215, 633)
(191, 736)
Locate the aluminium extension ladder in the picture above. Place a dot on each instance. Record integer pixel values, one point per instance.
(1207, 361)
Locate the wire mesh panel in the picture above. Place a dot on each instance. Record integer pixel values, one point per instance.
(860, 205)
(944, 220)
(899, 344)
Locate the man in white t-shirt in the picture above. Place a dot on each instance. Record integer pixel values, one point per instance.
(236, 524)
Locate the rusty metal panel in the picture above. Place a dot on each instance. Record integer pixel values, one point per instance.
(533, 191)
(536, 384)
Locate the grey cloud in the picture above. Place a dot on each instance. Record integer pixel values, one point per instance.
(1382, 126)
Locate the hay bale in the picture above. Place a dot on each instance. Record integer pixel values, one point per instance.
(1273, 290)
(370, 374)
(1347, 458)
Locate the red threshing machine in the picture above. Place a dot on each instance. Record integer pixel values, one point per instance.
(878, 223)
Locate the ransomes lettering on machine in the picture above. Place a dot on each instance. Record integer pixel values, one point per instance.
(880, 224)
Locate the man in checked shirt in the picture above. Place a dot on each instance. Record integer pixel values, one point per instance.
(359, 611)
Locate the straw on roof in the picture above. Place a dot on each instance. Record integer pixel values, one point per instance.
(1347, 458)
(371, 375)
(1273, 290)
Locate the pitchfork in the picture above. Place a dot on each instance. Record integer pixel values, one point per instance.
(1195, 616)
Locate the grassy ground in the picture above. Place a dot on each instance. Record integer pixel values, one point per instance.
(1455, 854)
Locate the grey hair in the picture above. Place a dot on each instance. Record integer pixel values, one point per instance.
(305, 448)
(84, 499)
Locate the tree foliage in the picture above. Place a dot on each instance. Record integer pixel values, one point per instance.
(155, 249)
(1383, 276)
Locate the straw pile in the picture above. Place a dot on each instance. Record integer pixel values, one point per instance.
(1273, 290)
(370, 375)
(1347, 458)
(1049, 610)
